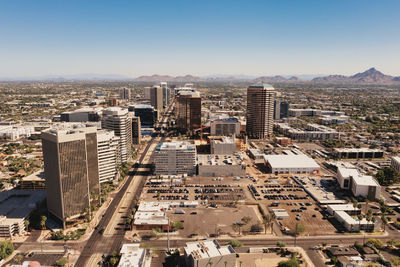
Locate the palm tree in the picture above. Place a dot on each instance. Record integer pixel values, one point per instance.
(267, 221)
(366, 205)
(360, 217)
(384, 221)
(240, 262)
(225, 262)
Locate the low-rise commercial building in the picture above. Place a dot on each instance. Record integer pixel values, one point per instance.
(175, 158)
(312, 132)
(150, 215)
(209, 253)
(291, 164)
(346, 215)
(360, 185)
(220, 165)
(132, 255)
(395, 163)
(357, 153)
(16, 207)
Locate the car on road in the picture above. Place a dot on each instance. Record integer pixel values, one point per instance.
(101, 231)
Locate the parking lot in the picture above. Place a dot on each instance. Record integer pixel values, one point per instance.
(281, 192)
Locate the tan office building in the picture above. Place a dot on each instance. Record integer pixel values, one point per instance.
(188, 111)
(260, 111)
(71, 170)
(156, 98)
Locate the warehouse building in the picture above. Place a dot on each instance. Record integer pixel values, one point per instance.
(291, 164)
(209, 253)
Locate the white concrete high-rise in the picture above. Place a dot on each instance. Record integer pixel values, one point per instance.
(109, 156)
(118, 120)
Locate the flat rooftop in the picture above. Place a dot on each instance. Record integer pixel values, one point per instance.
(178, 145)
(357, 150)
(131, 255)
(218, 160)
(18, 204)
(207, 249)
(291, 161)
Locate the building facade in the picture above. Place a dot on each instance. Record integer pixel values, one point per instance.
(136, 130)
(125, 93)
(71, 171)
(188, 111)
(260, 111)
(118, 120)
(147, 114)
(109, 156)
(175, 158)
(156, 98)
(225, 127)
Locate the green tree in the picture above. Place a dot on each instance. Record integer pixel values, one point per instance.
(62, 261)
(298, 230)
(387, 176)
(395, 260)
(113, 261)
(43, 220)
(235, 243)
(293, 262)
(6, 249)
(176, 225)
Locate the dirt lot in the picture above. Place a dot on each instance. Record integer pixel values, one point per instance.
(209, 220)
(228, 192)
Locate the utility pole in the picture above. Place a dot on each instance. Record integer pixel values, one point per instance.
(168, 248)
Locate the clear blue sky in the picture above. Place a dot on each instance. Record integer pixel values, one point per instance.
(61, 37)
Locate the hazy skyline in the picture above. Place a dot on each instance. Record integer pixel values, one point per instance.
(133, 38)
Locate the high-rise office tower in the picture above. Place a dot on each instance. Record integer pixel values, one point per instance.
(260, 111)
(118, 120)
(71, 171)
(125, 93)
(147, 114)
(281, 109)
(188, 110)
(136, 130)
(156, 98)
(109, 156)
(166, 94)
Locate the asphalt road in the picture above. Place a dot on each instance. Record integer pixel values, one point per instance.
(99, 243)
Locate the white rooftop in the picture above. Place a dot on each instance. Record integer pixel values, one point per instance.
(207, 249)
(132, 256)
(291, 161)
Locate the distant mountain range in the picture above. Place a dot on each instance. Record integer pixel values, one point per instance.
(370, 76)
